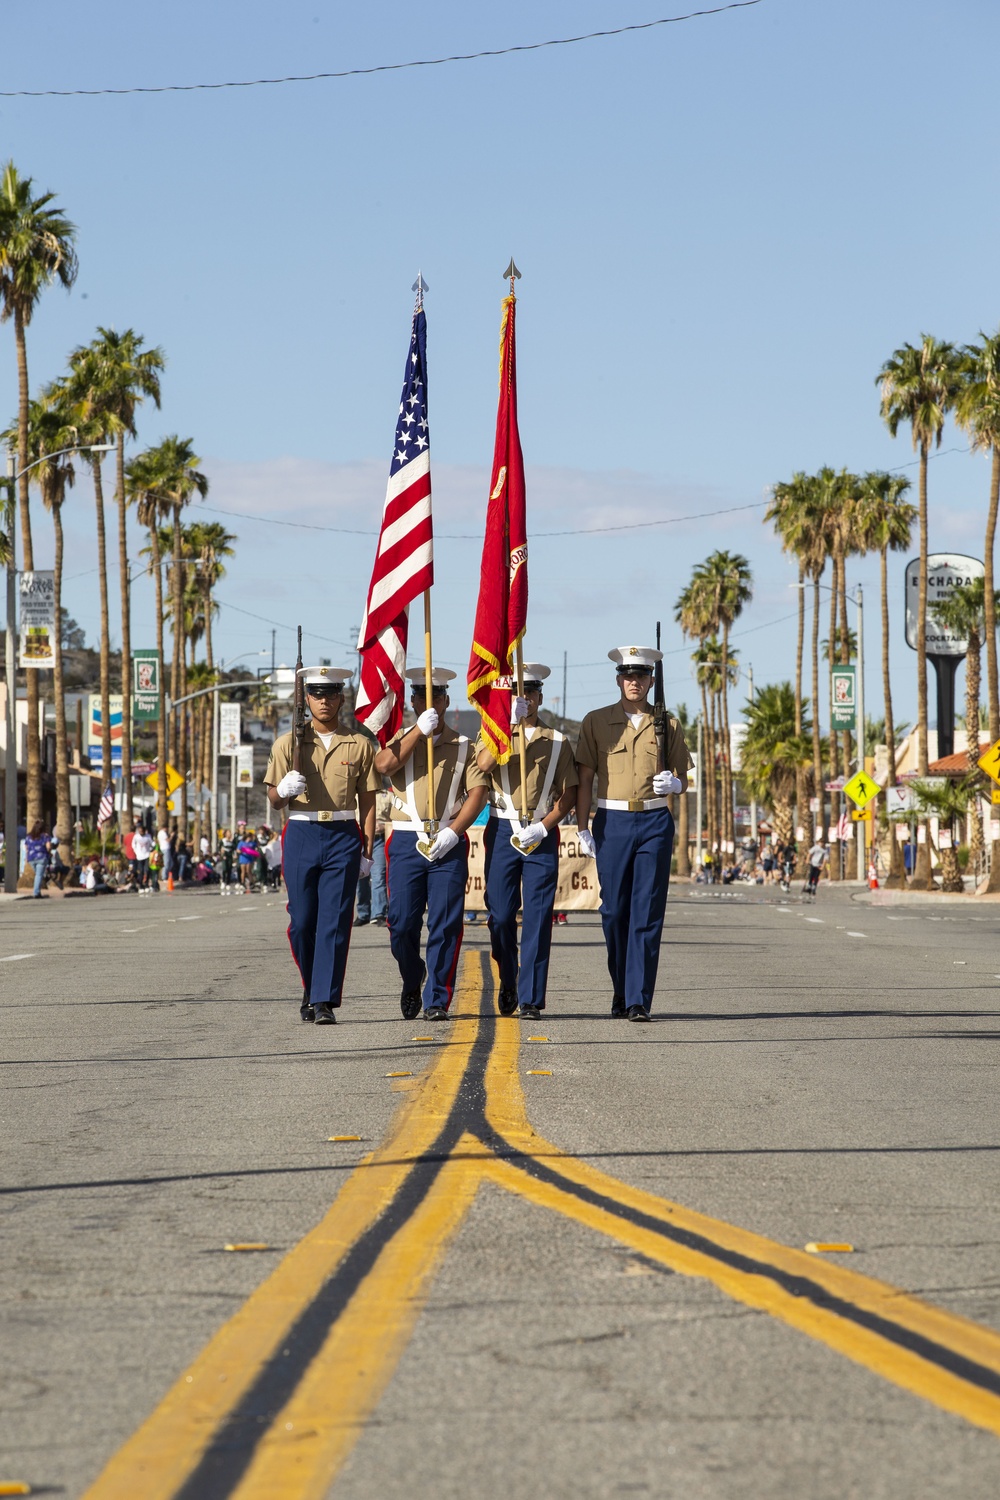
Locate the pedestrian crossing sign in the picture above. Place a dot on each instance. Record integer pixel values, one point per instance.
(862, 789)
(990, 762)
(174, 779)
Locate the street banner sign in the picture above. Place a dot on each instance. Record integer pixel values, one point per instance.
(244, 766)
(95, 748)
(229, 728)
(990, 762)
(145, 685)
(862, 814)
(862, 789)
(843, 696)
(38, 619)
(814, 804)
(945, 572)
(174, 780)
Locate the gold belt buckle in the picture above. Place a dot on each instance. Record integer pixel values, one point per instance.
(324, 817)
(636, 804)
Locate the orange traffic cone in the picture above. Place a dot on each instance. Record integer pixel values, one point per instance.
(872, 877)
(170, 881)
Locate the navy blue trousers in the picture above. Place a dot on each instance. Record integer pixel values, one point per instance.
(415, 885)
(515, 882)
(320, 864)
(633, 865)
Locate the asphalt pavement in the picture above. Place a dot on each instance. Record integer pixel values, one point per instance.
(813, 1074)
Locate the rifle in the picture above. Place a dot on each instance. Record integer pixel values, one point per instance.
(659, 710)
(299, 716)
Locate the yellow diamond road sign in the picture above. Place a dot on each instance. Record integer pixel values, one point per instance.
(990, 762)
(861, 789)
(174, 780)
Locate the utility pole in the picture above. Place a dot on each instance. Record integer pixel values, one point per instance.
(564, 691)
(12, 849)
(697, 801)
(860, 731)
(274, 635)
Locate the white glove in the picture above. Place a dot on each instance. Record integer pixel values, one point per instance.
(366, 865)
(428, 721)
(519, 709)
(586, 841)
(446, 839)
(533, 834)
(665, 782)
(292, 784)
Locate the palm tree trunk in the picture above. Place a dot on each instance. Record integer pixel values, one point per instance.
(197, 746)
(63, 815)
(161, 723)
(977, 844)
(125, 587)
(706, 752)
(990, 600)
(727, 760)
(102, 570)
(895, 877)
(834, 747)
(922, 880)
(851, 871)
(184, 741)
(817, 745)
(801, 773)
(177, 627)
(33, 767)
(719, 775)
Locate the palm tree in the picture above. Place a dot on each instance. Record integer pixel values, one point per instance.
(885, 524)
(919, 386)
(790, 513)
(691, 614)
(710, 677)
(36, 248)
(688, 725)
(950, 804)
(977, 412)
(963, 612)
(119, 376)
(726, 584)
(210, 542)
(144, 475)
(52, 427)
(773, 754)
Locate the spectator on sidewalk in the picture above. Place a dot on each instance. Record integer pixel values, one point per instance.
(142, 848)
(36, 853)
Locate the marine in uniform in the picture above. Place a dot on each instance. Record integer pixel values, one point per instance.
(323, 845)
(435, 880)
(633, 832)
(524, 878)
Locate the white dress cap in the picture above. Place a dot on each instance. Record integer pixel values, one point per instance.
(325, 676)
(535, 671)
(440, 676)
(635, 656)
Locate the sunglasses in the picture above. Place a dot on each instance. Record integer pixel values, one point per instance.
(634, 672)
(331, 690)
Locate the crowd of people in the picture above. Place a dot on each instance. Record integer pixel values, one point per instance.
(765, 861)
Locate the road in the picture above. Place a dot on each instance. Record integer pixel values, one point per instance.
(562, 1267)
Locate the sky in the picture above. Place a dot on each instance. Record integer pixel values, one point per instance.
(724, 227)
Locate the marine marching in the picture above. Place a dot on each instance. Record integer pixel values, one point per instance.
(519, 769)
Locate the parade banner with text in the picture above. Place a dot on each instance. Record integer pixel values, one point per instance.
(146, 686)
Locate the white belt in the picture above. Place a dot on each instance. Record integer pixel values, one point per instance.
(322, 817)
(633, 804)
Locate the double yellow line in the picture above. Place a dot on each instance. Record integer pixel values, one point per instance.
(272, 1407)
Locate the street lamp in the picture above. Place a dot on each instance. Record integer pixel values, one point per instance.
(10, 656)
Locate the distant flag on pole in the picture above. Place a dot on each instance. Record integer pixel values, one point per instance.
(404, 558)
(502, 611)
(106, 809)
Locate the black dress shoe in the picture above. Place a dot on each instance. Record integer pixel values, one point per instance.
(306, 1011)
(325, 1015)
(507, 1001)
(409, 1004)
(435, 1013)
(618, 1006)
(635, 1013)
(529, 1013)
(361, 921)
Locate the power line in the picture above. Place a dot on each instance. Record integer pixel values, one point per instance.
(424, 62)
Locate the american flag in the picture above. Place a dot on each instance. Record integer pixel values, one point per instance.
(106, 810)
(404, 558)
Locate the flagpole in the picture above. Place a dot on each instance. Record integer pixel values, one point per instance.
(430, 823)
(512, 272)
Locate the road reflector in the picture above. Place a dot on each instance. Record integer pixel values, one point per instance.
(248, 1245)
(399, 1075)
(343, 1138)
(538, 1039)
(14, 1487)
(827, 1247)
(539, 1072)
(421, 1039)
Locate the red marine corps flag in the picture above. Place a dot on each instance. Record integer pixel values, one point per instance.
(502, 611)
(404, 558)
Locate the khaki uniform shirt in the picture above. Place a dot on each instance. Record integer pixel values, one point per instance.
(446, 755)
(538, 750)
(333, 777)
(625, 758)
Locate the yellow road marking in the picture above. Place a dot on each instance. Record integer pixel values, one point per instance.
(157, 1459)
